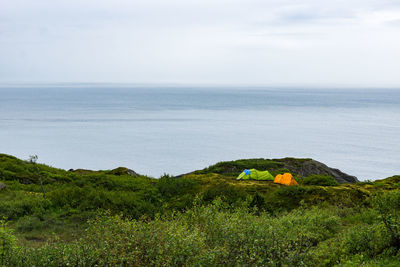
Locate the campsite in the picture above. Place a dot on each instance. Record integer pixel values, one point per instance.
(199, 133)
(209, 217)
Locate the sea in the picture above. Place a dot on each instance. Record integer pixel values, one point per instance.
(177, 129)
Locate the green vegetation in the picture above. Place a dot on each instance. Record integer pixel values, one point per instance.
(53, 217)
(316, 179)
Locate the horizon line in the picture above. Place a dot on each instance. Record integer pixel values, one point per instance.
(195, 85)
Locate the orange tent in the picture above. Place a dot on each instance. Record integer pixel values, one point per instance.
(286, 179)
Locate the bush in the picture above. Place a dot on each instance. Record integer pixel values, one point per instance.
(368, 240)
(388, 206)
(202, 236)
(7, 243)
(18, 204)
(257, 202)
(286, 198)
(29, 223)
(317, 179)
(228, 193)
(171, 186)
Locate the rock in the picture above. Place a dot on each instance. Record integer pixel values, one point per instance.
(297, 166)
(306, 167)
(3, 186)
(123, 171)
(131, 172)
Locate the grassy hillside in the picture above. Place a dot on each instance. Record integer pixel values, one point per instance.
(56, 217)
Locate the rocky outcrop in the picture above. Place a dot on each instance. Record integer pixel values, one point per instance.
(3, 186)
(298, 166)
(123, 171)
(306, 167)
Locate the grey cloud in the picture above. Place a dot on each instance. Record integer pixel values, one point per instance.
(226, 41)
(298, 18)
(394, 23)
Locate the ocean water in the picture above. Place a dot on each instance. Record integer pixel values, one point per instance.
(156, 130)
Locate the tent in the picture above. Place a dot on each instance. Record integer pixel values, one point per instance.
(254, 174)
(286, 179)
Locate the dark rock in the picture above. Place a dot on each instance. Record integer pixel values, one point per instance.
(3, 186)
(306, 167)
(131, 172)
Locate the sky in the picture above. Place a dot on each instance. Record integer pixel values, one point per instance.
(228, 42)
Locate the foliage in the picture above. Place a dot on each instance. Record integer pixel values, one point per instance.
(170, 186)
(369, 240)
(199, 219)
(318, 179)
(388, 206)
(226, 192)
(7, 243)
(257, 202)
(287, 198)
(234, 168)
(202, 236)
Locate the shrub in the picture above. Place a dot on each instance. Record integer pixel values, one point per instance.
(202, 236)
(171, 186)
(369, 240)
(22, 203)
(286, 198)
(317, 179)
(388, 206)
(226, 192)
(64, 195)
(7, 243)
(29, 223)
(257, 201)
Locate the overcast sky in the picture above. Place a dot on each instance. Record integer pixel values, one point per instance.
(257, 42)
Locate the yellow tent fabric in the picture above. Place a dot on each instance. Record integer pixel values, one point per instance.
(254, 174)
(286, 179)
(278, 178)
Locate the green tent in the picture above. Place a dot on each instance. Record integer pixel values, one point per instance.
(254, 174)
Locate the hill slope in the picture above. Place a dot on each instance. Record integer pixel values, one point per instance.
(207, 217)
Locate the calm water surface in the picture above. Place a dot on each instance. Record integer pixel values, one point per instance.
(176, 130)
